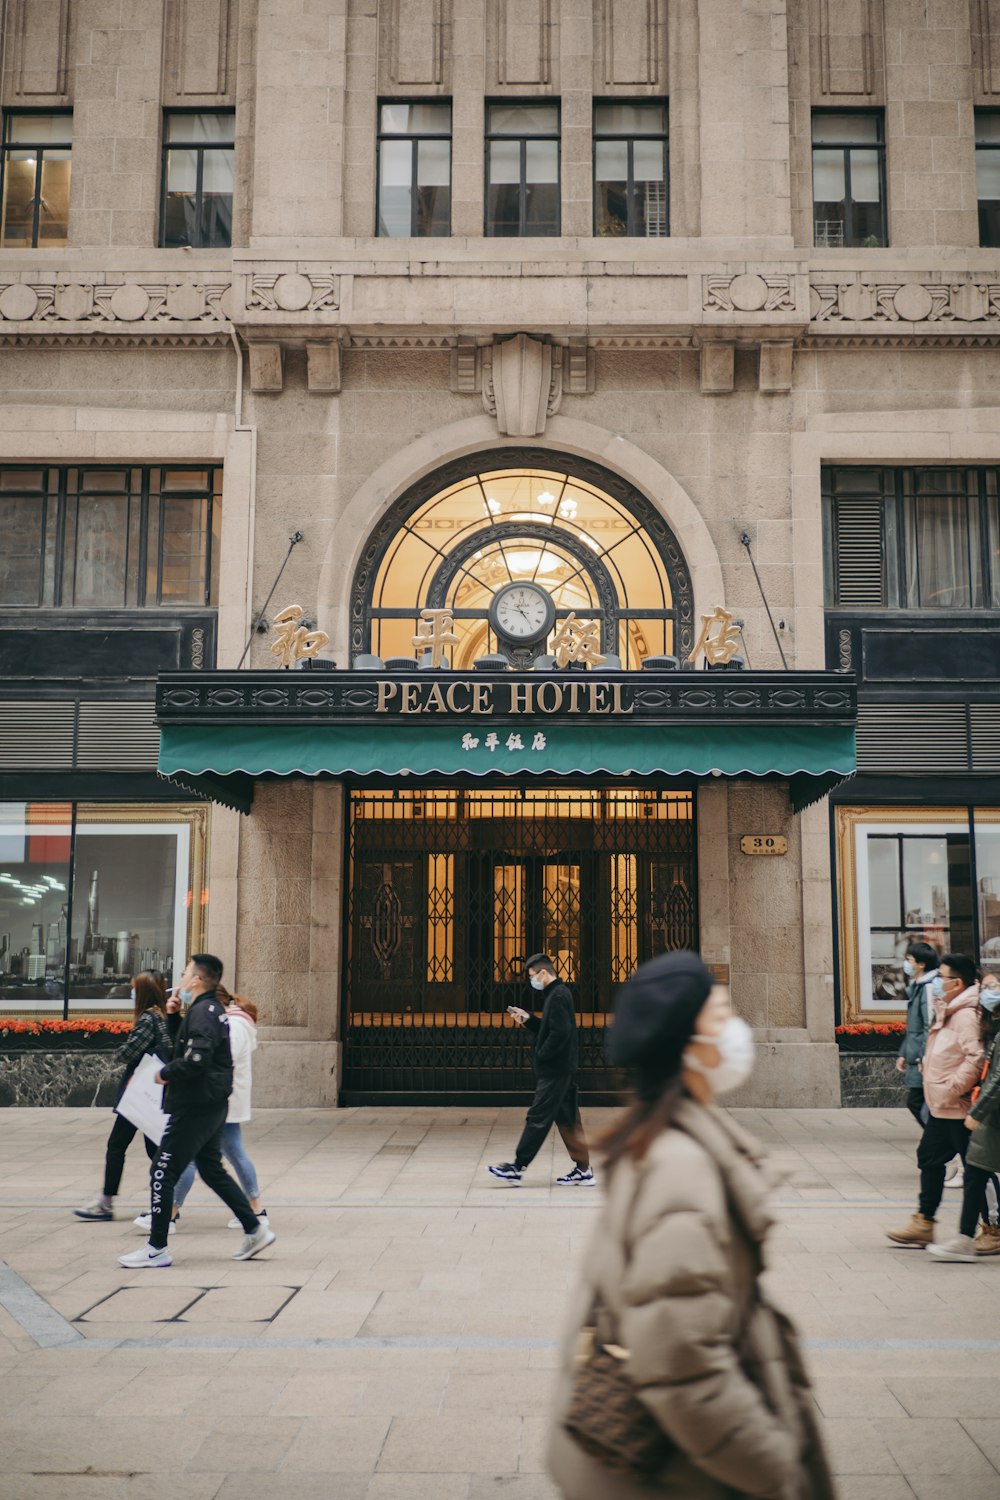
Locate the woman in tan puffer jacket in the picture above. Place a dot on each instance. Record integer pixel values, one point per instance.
(675, 1265)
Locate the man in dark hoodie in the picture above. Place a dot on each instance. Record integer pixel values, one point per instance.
(556, 1100)
(199, 1080)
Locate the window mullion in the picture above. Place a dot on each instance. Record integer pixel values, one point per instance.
(414, 182)
(848, 200)
(199, 182)
(37, 201)
(522, 192)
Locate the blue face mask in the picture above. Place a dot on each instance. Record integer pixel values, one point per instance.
(185, 996)
(989, 1000)
(937, 989)
(908, 968)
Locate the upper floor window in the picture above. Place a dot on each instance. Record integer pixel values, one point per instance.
(913, 538)
(630, 169)
(988, 175)
(109, 538)
(36, 170)
(848, 163)
(414, 169)
(197, 207)
(522, 168)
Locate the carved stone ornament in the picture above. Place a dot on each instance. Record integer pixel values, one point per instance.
(522, 384)
(902, 299)
(293, 292)
(748, 293)
(141, 301)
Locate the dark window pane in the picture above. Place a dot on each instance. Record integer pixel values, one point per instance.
(845, 128)
(40, 130)
(988, 127)
(629, 119)
(204, 129)
(503, 205)
(395, 188)
(101, 546)
(180, 212)
(866, 225)
(612, 208)
(19, 177)
(433, 187)
(182, 578)
(523, 119)
(415, 119)
(21, 543)
(217, 199)
(53, 200)
(989, 224)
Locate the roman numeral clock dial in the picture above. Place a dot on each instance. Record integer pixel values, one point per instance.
(522, 614)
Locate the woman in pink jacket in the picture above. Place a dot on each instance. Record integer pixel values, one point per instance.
(953, 1060)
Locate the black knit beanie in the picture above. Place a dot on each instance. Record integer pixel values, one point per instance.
(655, 1016)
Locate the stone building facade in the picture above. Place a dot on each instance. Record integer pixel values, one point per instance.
(767, 390)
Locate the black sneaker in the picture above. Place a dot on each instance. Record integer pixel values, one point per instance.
(506, 1171)
(579, 1177)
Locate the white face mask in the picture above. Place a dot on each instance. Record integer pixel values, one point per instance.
(537, 982)
(735, 1046)
(908, 968)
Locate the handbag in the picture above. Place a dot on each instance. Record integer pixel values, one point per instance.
(605, 1415)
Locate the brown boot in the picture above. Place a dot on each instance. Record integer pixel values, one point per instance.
(988, 1239)
(914, 1235)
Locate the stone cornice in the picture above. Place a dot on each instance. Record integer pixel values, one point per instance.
(410, 303)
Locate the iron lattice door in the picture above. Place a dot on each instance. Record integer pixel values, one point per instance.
(450, 891)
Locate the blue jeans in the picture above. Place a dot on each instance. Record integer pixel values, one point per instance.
(234, 1152)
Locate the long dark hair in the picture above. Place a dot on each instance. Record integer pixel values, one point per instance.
(150, 993)
(646, 1116)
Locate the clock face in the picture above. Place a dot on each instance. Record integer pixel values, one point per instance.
(522, 612)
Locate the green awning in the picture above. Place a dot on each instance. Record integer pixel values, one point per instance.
(223, 761)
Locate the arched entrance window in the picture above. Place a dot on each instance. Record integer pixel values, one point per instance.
(597, 546)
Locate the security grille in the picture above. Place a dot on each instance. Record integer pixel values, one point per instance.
(79, 735)
(450, 892)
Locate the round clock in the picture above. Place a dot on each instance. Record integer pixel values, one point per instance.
(522, 613)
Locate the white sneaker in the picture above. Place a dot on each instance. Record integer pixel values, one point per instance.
(254, 1243)
(145, 1221)
(235, 1223)
(955, 1174)
(139, 1260)
(961, 1248)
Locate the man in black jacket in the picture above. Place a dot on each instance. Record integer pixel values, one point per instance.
(556, 1101)
(199, 1080)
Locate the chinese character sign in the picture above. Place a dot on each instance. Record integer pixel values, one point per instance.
(434, 632)
(577, 640)
(294, 641)
(719, 638)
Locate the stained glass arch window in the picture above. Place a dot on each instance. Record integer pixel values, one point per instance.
(584, 534)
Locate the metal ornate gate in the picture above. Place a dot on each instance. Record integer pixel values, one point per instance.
(449, 892)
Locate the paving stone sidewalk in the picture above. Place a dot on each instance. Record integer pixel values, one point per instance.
(398, 1342)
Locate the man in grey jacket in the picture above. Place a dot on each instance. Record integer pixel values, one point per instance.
(920, 968)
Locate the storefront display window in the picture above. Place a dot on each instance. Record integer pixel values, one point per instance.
(91, 895)
(913, 874)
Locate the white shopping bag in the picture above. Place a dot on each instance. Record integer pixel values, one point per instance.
(142, 1102)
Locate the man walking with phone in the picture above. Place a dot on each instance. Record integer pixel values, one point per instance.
(199, 1080)
(556, 1099)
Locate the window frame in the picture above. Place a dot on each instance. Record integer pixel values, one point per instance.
(978, 146)
(489, 137)
(878, 146)
(414, 139)
(7, 145)
(663, 137)
(166, 146)
(60, 513)
(900, 496)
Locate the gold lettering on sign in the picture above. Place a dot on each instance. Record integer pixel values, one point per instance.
(436, 630)
(386, 692)
(410, 701)
(549, 690)
(451, 697)
(435, 700)
(482, 698)
(574, 696)
(577, 640)
(616, 698)
(719, 638)
(295, 642)
(598, 697)
(520, 697)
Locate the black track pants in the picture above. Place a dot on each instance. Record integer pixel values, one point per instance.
(555, 1103)
(194, 1136)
